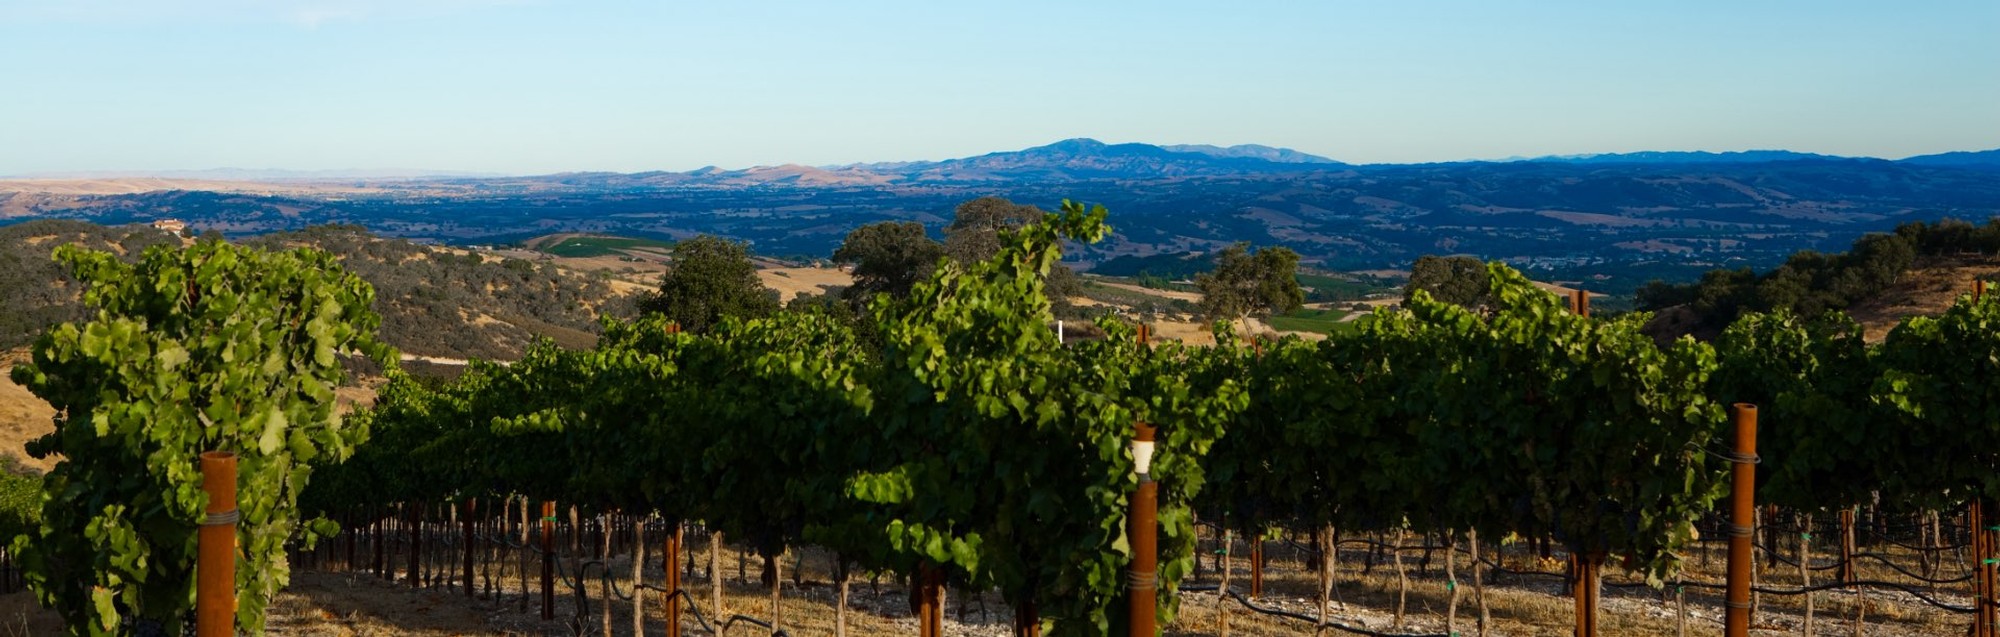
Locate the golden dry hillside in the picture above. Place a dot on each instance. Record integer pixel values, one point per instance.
(23, 417)
(1927, 288)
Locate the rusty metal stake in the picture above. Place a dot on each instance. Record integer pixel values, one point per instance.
(1142, 531)
(1741, 519)
(548, 560)
(215, 550)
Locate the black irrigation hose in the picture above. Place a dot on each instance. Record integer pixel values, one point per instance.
(1772, 553)
(1787, 592)
(1768, 591)
(1305, 547)
(1495, 567)
(1924, 549)
(1274, 612)
(1892, 566)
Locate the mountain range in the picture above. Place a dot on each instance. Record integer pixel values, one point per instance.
(1084, 159)
(1629, 216)
(1079, 159)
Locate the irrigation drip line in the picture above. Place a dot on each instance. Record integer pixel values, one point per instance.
(1925, 549)
(1782, 592)
(1788, 592)
(1830, 585)
(1927, 580)
(1276, 612)
(1302, 547)
(1772, 553)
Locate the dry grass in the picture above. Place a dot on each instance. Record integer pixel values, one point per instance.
(23, 417)
(1930, 286)
(792, 282)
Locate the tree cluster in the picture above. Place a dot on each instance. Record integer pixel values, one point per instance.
(1810, 282)
(1244, 283)
(712, 278)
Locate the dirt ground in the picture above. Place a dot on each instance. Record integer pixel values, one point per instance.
(329, 600)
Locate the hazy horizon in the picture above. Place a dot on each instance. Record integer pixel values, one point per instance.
(523, 87)
(224, 172)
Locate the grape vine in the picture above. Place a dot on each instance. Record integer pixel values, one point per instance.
(211, 347)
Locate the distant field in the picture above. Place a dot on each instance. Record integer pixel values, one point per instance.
(1333, 288)
(582, 247)
(1310, 320)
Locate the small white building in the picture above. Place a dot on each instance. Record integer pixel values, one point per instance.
(175, 226)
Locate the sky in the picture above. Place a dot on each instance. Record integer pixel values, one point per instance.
(527, 87)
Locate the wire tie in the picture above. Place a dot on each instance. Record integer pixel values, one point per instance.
(549, 519)
(1805, 536)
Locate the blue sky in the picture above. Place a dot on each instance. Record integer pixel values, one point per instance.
(535, 87)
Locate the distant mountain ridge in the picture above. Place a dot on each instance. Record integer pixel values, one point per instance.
(1086, 159)
(1961, 159)
(1253, 151)
(1692, 157)
(1083, 158)
(1069, 160)
(1635, 220)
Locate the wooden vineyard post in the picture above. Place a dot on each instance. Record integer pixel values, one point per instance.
(1256, 564)
(1256, 540)
(215, 551)
(1741, 525)
(1143, 533)
(1579, 302)
(1980, 519)
(1986, 615)
(1847, 545)
(1586, 570)
(669, 558)
(1142, 528)
(548, 560)
(930, 601)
